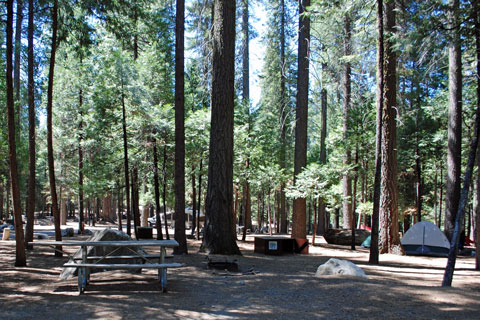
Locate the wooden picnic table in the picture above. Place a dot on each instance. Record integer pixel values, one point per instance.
(86, 263)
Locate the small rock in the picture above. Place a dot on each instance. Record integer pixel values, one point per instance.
(68, 232)
(340, 267)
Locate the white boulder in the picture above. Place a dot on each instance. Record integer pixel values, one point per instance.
(340, 267)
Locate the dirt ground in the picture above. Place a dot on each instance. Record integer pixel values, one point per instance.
(280, 287)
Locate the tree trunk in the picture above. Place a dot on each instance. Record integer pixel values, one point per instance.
(219, 235)
(322, 227)
(194, 201)
(2, 197)
(63, 210)
(441, 198)
(389, 239)
(477, 211)
(157, 192)
(452, 255)
(199, 195)
(20, 257)
(452, 196)
(51, 166)
(81, 219)
(120, 205)
(135, 201)
(30, 207)
(435, 196)
(246, 104)
(315, 225)
(180, 129)
(16, 71)
(299, 204)
(125, 160)
(419, 186)
(283, 120)
(347, 89)
(269, 213)
(354, 200)
(373, 258)
(164, 191)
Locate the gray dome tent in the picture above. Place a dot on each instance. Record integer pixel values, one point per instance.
(425, 238)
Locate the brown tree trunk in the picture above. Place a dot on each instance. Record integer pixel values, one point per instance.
(374, 253)
(30, 207)
(20, 257)
(125, 160)
(51, 166)
(199, 195)
(164, 190)
(322, 226)
(107, 207)
(283, 120)
(180, 129)
(246, 104)
(194, 201)
(419, 185)
(81, 217)
(299, 229)
(219, 235)
(459, 217)
(157, 192)
(388, 236)
(477, 209)
(347, 89)
(120, 205)
(16, 71)
(452, 196)
(269, 213)
(135, 201)
(2, 197)
(314, 221)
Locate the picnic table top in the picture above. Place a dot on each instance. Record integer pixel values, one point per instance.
(117, 243)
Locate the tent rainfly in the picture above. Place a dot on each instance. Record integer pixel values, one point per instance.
(425, 238)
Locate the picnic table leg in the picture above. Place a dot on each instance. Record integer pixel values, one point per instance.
(162, 275)
(82, 279)
(162, 272)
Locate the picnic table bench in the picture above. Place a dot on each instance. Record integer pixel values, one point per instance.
(86, 263)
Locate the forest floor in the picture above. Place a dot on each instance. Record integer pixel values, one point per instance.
(280, 287)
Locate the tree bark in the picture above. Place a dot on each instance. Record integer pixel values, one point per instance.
(389, 240)
(477, 212)
(322, 226)
(299, 229)
(452, 255)
(283, 120)
(135, 201)
(452, 196)
(30, 207)
(2, 197)
(16, 71)
(476, 8)
(125, 160)
(199, 195)
(20, 256)
(180, 129)
(157, 192)
(347, 90)
(419, 185)
(374, 253)
(164, 191)
(194, 201)
(246, 104)
(81, 217)
(219, 234)
(51, 165)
